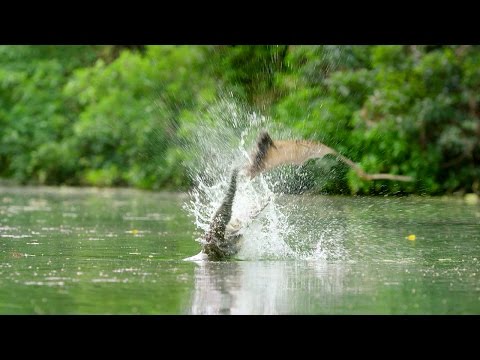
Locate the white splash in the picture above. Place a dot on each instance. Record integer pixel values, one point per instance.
(265, 225)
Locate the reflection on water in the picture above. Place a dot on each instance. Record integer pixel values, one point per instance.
(318, 287)
(90, 251)
(269, 287)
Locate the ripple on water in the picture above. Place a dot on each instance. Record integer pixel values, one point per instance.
(109, 280)
(15, 236)
(128, 270)
(45, 283)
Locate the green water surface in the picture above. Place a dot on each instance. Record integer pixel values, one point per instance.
(89, 251)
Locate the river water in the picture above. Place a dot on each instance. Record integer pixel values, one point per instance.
(118, 251)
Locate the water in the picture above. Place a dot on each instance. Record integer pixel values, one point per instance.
(88, 251)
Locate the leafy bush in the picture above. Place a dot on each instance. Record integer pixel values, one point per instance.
(119, 115)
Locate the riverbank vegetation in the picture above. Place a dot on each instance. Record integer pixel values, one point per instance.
(115, 115)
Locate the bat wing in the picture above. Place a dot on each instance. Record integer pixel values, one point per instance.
(270, 154)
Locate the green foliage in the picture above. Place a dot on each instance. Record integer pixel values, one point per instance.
(104, 124)
(411, 111)
(116, 115)
(34, 117)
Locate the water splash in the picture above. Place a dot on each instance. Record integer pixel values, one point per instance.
(224, 141)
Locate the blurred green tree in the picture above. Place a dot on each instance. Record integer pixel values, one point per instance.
(117, 115)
